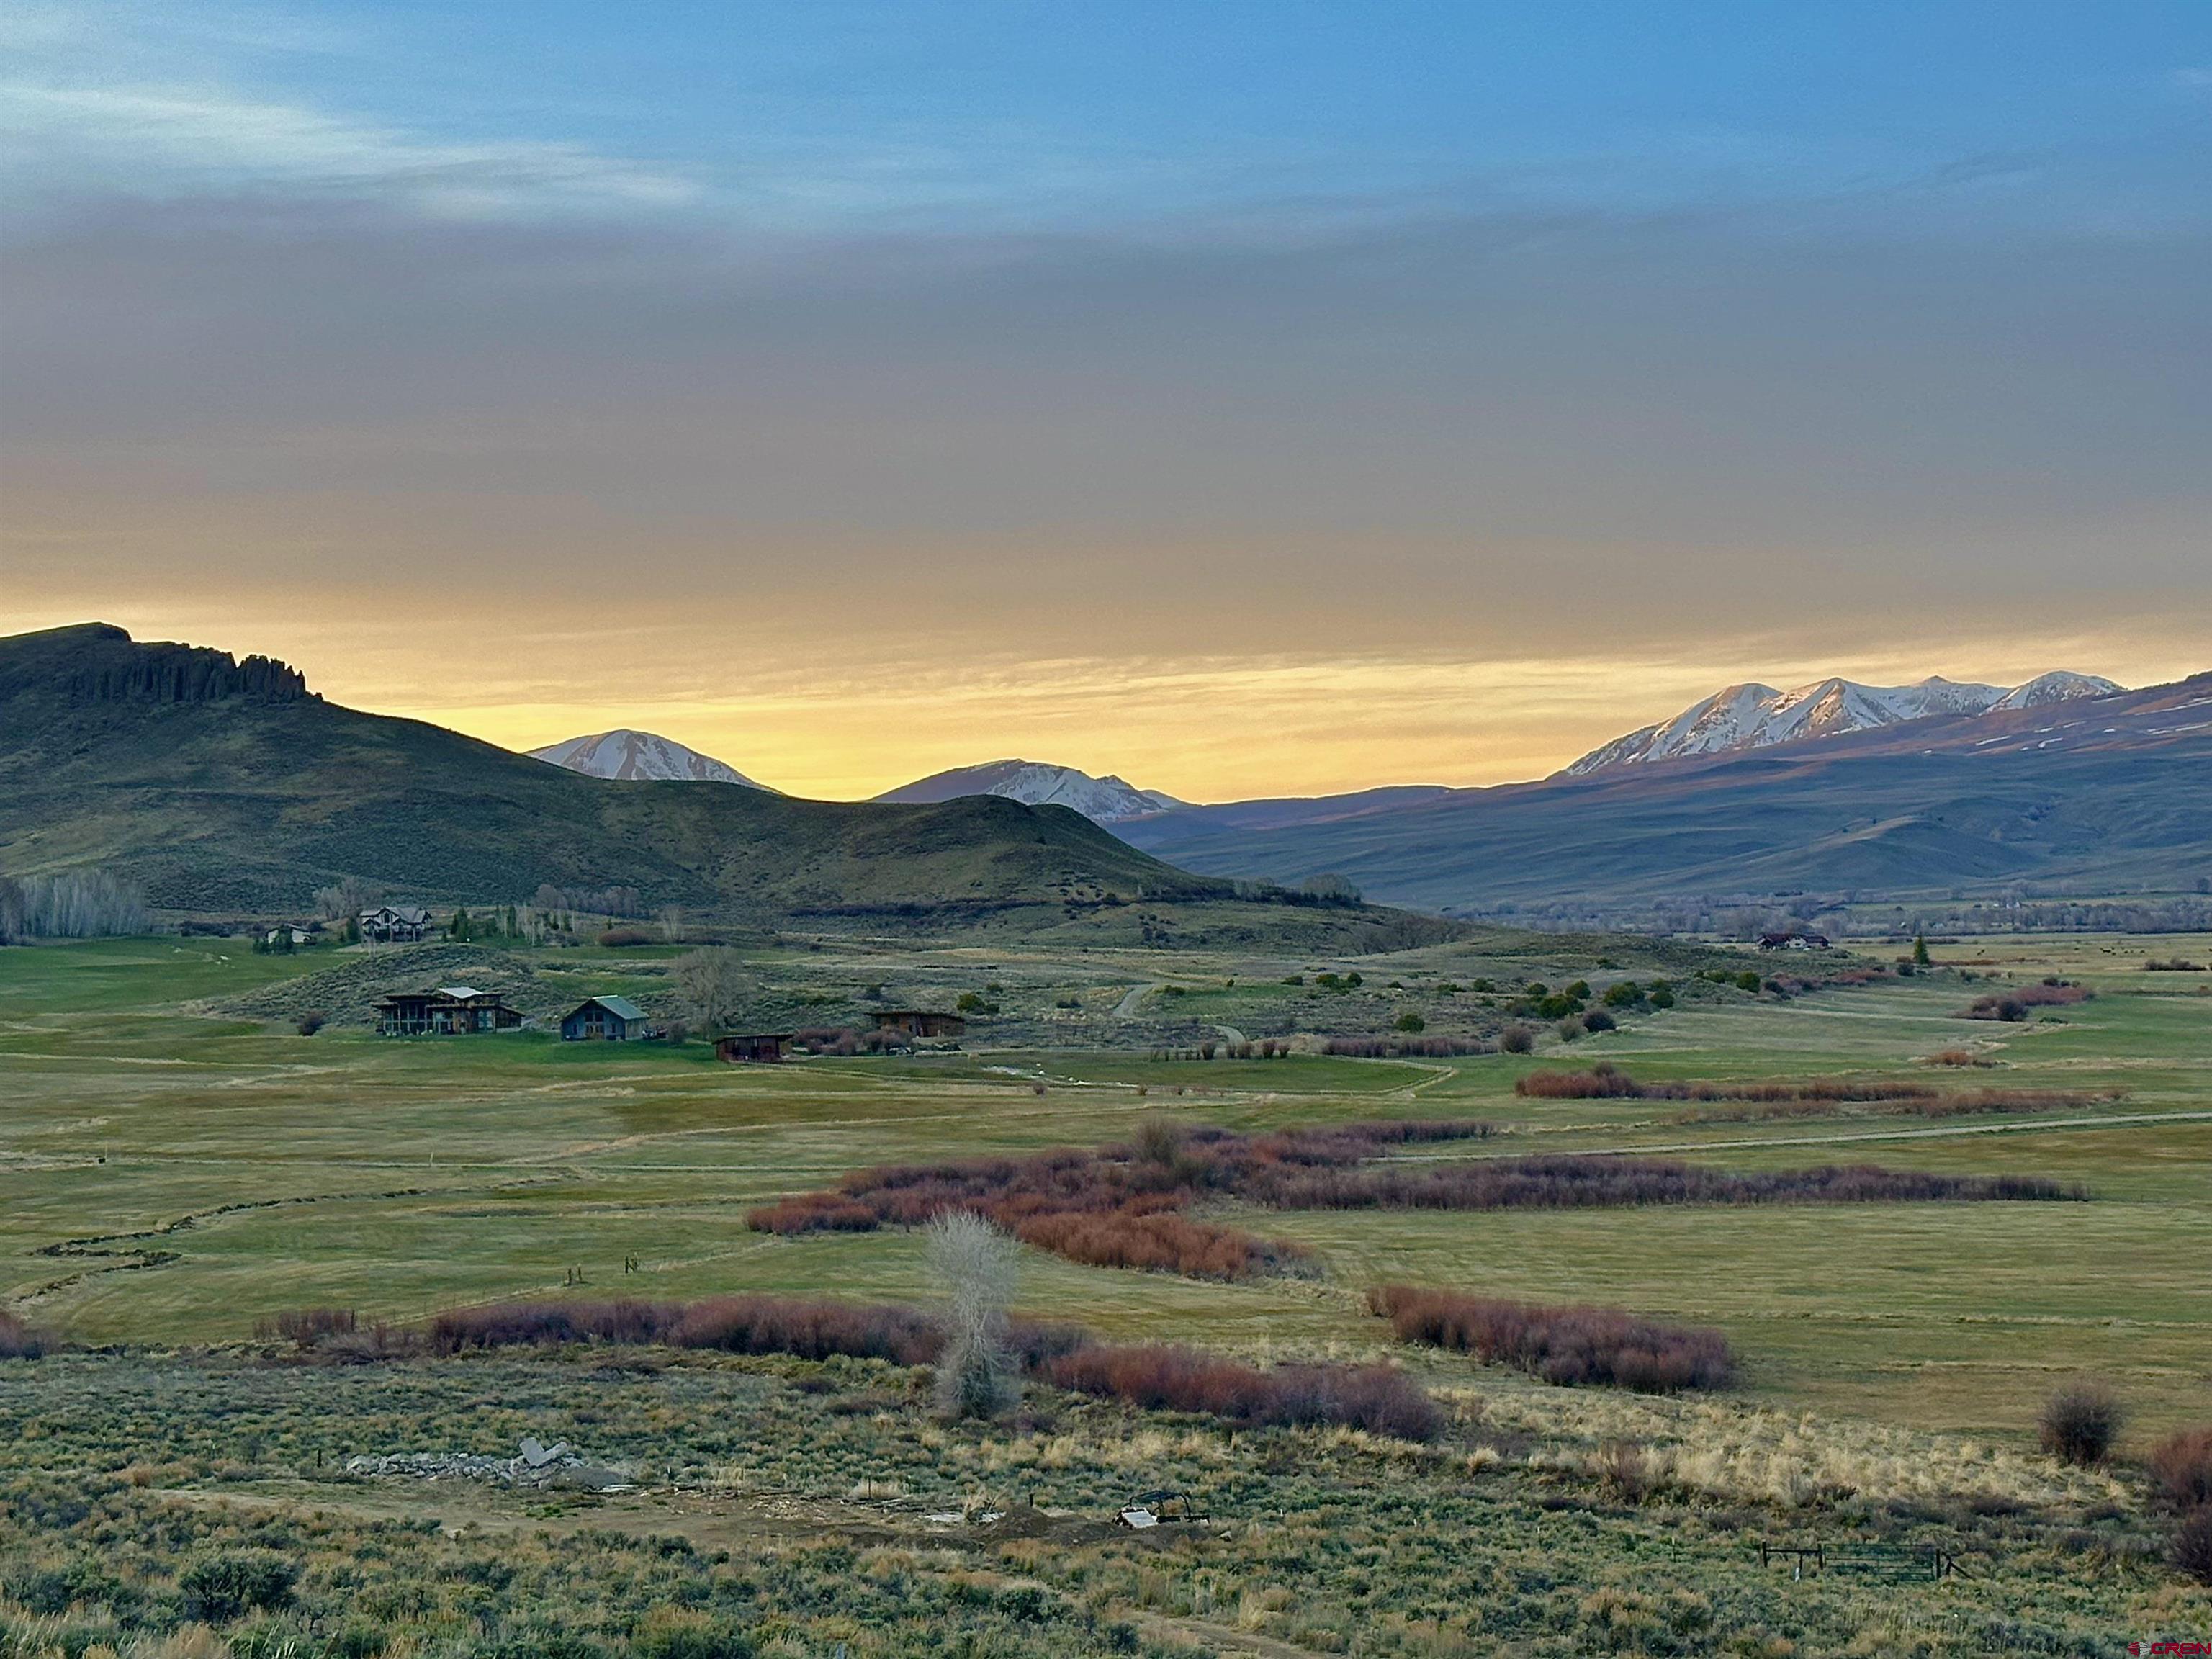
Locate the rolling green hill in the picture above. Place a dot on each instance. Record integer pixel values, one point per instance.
(228, 788)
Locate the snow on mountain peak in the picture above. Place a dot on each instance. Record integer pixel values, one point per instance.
(1753, 716)
(1109, 799)
(634, 756)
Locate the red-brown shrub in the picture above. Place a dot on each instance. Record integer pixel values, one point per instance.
(2014, 1004)
(307, 1326)
(2192, 1545)
(734, 1324)
(1159, 1242)
(616, 937)
(2181, 1467)
(1120, 1206)
(1564, 1345)
(18, 1340)
(1157, 1377)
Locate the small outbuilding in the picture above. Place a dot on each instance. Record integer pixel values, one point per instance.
(604, 1020)
(921, 1023)
(760, 1048)
(449, 1011)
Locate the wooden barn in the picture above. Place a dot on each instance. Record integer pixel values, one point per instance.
(604, 1020)
(762, 1049)
(921, 1023)
(395, 924)
(449, 1011)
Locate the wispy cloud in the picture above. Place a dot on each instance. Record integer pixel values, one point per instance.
(161, 141)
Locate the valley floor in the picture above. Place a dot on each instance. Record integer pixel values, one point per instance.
(171, 1173)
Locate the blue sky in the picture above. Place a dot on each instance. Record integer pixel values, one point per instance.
(961, 116)
(1531, 369)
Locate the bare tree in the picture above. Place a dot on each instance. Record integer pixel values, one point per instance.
(76, 904)
(714, 985)
(977, 1267)
(348, 896)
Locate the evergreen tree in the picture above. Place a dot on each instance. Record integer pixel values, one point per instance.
(1920, 950)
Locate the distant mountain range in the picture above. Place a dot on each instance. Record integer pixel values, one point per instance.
(1744, 717)
(2100, 795)
(632, 756)
(1037, 783)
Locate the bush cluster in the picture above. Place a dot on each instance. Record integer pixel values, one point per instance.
(2013, 1004)
(1120, 1206)
(1117, 1206)
(1160, 1376)
(1573, 1345)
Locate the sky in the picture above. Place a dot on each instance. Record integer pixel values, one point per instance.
(1243, 399)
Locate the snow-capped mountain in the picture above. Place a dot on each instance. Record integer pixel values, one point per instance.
(1754, 716)
(1037, 783)
(631, 756)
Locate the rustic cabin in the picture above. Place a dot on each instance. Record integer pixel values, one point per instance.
(449, 1011)
(762, 1049)
(604, 1020)
(921, 1023)
(395, 924)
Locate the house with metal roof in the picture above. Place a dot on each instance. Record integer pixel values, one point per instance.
(604, 1020)
(449, 1011)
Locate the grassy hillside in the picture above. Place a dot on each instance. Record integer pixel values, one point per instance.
(230, 788)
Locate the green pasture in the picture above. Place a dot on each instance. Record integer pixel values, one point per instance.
(398, 1177)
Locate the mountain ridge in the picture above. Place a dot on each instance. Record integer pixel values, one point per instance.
(1738, 718)
(2109, 794)
(629, 755)
(1109, 799)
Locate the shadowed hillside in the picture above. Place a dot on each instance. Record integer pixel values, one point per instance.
(228, 787)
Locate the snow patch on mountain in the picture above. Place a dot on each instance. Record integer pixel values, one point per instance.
(1038, 783)
(631, 757)
(1744, 717)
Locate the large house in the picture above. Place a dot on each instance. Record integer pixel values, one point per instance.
(1793, 941)
(395, 924)
(608, 1020)
(449, 1011)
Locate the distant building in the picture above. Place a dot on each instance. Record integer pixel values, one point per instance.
(1793, 941)
(761, 1049)
(921, 1023)
(395, 924)
(276, 936)
(449, 1011)
(604, 1020)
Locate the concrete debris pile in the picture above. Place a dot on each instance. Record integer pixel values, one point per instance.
(534, 1465)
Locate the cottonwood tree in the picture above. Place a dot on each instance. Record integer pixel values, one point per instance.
(347, 897)
(977, 1267)
(714, 985)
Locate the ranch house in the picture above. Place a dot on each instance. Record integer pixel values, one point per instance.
(449, 1011)
(603, 1019)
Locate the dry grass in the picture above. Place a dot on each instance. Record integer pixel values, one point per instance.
(1713, 1449)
